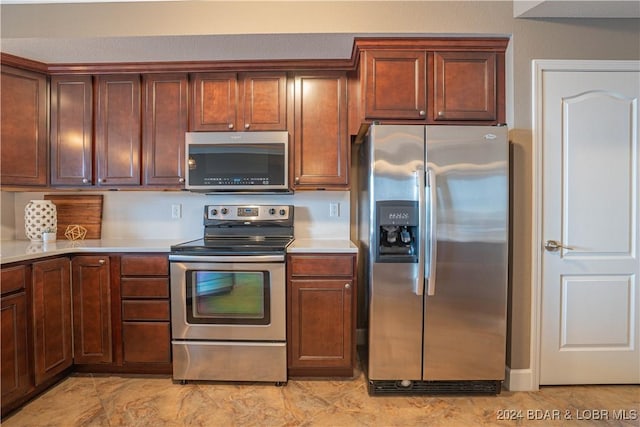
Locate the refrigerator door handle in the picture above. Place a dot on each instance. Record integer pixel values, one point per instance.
(418, 287)
(433, 222)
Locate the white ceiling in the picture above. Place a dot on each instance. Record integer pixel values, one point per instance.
(576, 8)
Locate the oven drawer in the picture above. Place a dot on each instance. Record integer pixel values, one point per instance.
(229, 361)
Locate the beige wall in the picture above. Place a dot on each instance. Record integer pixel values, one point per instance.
(531, 39)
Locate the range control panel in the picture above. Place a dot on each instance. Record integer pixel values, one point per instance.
(248, 212)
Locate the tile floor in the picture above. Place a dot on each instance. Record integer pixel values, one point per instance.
(103, 400)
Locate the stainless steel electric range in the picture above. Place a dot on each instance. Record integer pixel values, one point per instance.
(228, 299)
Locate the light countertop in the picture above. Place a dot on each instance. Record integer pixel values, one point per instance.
(22, 250)
(322, 245)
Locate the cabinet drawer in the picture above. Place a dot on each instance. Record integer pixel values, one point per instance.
(145, 288)
(321, 265)
(13, 279)
(145, 310)
(145, 342)
(144, 265)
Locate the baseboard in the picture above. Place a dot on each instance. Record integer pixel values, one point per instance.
(519, 380)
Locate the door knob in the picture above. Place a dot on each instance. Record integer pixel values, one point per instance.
(552, 246)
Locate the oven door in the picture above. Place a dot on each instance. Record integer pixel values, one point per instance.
(228, 298)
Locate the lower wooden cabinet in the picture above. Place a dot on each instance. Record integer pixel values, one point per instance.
(16, 367)
(51, 311)
(321, 314)
(91, 310)
(146, 331)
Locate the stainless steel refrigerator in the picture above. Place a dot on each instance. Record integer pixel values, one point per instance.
(433, 227)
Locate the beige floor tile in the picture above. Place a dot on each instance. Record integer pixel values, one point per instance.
(114, 401)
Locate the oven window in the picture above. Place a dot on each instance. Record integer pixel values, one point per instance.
(228, 297)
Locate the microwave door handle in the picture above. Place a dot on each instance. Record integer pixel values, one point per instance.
(418, 287)
(433, 226)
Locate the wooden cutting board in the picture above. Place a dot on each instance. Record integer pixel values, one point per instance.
(84, 210)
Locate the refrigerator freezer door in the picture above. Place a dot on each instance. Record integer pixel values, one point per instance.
(395, 311)
(465, 318)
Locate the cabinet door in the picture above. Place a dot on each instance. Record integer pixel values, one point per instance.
(395, 85)
(320, 323)
(321, 147)
(464, 86)
(164, 126)
(71, 130)
(13, 349)
(146, 342)
(23, 127)
(214, 100)
(51, 318)
(91, 310)
(118, 130)
(264, 101)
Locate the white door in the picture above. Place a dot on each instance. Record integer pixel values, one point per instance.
(589, 287)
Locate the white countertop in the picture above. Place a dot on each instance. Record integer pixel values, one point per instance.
(22, 250)
(322, 245)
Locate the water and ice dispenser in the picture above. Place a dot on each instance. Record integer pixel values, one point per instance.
(397, 231)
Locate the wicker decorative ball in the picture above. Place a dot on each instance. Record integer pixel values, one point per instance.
(75, 232)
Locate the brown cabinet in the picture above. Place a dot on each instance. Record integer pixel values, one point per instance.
(395, 84)
(448, 82)
(239, 101)
(51, 288)
(146, 331)
(91, 310)
(165, 121)
(321, 299)
(23, 127)
(16, 367)
(321, 146)
(117, 130)
(72, 130)
(465, 86)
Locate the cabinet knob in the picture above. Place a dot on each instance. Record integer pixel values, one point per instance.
(181, 180)
(100, 180)
(85, 181)
(422, 113)
(440, 113)
(297, 180)
(347, 285)
(247, 125)
(230, 126)
(101, 262)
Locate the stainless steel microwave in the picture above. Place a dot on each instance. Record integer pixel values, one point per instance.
(237, 161)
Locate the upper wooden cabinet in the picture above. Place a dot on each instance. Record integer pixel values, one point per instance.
(165, 121)
(434, 81)
(23, 127)
(465, 86)
(117, 130)
(321, 147)
(239, 101)
(395, 85)
(71, 130)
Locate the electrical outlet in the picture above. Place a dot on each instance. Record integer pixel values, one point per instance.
(334, 209)
(176, 211)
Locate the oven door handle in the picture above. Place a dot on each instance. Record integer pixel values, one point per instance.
(226, 258)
